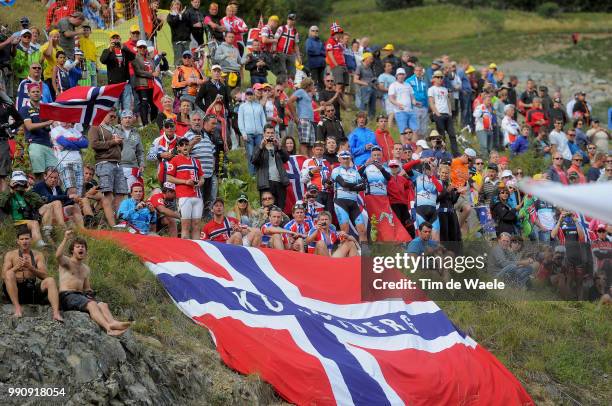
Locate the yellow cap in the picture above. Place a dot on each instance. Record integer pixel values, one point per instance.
(275, 18)
(492, 66)
(470, 69)
(298, 66)
(54, 31)
(135, 28)
(389, 47)
(366, 55)
(113, 33)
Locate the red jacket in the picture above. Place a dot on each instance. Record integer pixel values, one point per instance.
(385, 141)
(400, 190)
(534, 115)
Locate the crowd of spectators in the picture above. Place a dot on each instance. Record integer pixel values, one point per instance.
(447, 176)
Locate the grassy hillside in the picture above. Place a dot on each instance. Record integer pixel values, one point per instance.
(483, 35)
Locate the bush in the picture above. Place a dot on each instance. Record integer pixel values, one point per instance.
(397, 4)
(548, 9)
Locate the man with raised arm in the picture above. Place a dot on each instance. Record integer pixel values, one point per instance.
(75, 288)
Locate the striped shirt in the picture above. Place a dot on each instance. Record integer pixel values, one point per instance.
(204, 151)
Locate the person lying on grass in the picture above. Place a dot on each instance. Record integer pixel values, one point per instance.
(75, 289)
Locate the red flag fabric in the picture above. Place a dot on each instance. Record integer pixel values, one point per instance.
(158, 93)
(388, 225)
(316, 343)
(296, 189)
(87, 105)
(147, 17)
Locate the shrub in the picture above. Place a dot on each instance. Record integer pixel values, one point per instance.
(548, 9)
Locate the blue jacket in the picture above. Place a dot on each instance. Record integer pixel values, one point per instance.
(573, 147)
(316, 53)
(46, 193)
(358, 139)
(419, 87)
(72, 144)
(465, 82)
(139, 219)
(520, 145)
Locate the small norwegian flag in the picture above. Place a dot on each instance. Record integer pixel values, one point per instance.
(82, 104)
(255, 33)
(335, 27)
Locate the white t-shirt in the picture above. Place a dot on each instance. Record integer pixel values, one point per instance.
(559, 139)
(440, 96)
(403, 94)
(62, 155)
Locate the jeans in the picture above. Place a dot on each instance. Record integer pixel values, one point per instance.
(484, 139)
(125, 101)
(444, 125)
(317, 75)
(422, 117)
(258, 79)
(516, 274)
(543, 235)
(368, 100)
(465, 101)
(406, 119)
(252, 141)
(148, 109)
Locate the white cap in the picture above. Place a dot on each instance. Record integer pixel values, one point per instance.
(18, 176)
(141, 43)
(506, 173)
(470, 152)
(400, 70)
(26, 31)
(394, 162)
(215, 67)
(422, 143)
(169, 185)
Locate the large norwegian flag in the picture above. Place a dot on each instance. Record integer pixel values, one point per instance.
(311, 336)
(82, 104)
(296, 189)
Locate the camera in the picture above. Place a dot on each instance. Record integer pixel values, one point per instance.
(116, 44)
(323, 223)
(270, 139)
(19, 184)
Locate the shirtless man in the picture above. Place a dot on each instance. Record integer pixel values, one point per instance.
(75, 289)
(22, 267)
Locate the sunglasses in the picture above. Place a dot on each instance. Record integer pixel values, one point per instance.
(589, 148)
(329, 81)
(519, 173)
(557, 159)
(479, 163)
(36, 67)
(187, 56)
(26, 36)
(267, 198)
(577, 160)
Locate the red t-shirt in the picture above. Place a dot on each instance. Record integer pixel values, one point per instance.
(184, 168)
(157, 200)
(337, 49)
(219, 232)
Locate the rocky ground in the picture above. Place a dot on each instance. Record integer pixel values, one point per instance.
(94, 368)
(569, 81)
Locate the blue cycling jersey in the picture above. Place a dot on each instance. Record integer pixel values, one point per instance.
(350, 175)
(426, 192)
(377, 184)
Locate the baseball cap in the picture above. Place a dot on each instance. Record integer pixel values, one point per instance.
(470, 69)
(182, 141)
(344, 154)
(249, 91)
(18, 176)
(557, 100)
(407, 147)
(187, 52)
(264, 85)
(428, 153)
(134, 28)
(86, 24)
(114, 34)
(314, 28)
(506, 173)
(437, 62)
(312, 188)
(242, 197)
(422, 144)
(375, 148)
(291, 16)
(169, 185)
(141, 43)
(503, 160)
(388, 47)
(493, 166)
(77, 51)
(492, 66)
(394, 162)
(274, 18)
(127, 113)
(26, 31)
(214, 67)
(438, 74)
(366, 55)
(400, 70)
(169, 122)
(257, 86)
(470, 152)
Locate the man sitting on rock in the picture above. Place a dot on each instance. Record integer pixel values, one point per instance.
(75, 289)
(21, 270)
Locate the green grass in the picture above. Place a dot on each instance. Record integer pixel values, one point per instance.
(33, 9)
(483, 35)
(591, 55)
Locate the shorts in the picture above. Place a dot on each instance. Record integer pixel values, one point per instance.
(5, 158)
(111, 178)
(348, 211)
(191, 208)
(72, 175)
(74, 300)
(340, 75)
(29, 292)
(428, 214)
(131, 177)
(306, 132)
(41, 157)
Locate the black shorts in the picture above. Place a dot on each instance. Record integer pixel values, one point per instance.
(74, 300)
(29, 292)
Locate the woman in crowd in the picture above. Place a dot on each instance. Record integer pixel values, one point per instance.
(143, 83)
(182, 118)
(167, 112)
(504, 215)
(449, 223)
(288, 144)
(243, 211)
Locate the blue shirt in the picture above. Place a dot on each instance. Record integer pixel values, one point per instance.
(419, 87)
(386, 79)
(350, 175)
(418, 246)
(358, 139)
(139, 219)
(40, 136)
(304, 105)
